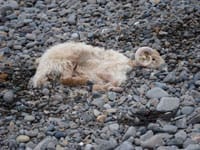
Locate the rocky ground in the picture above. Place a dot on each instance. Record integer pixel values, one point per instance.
(158, 109)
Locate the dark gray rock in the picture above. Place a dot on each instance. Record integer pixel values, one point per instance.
(59, 134)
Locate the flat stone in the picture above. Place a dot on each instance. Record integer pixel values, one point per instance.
(130, 132)
(181, 135)
(170, 128)
(156, 92)
(43, 144)
(29, 118)
(125, 146)
(168, 104)
(99, 102)
(186, 110)
(146, 136)
(106, 144)
(193, 147)
(114, 127)
(155, 141)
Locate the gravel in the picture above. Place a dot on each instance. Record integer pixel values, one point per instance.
(158, 108)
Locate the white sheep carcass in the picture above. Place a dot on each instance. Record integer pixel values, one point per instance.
(78, 63)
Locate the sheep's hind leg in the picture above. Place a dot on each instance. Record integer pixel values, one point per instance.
(74, 81)
(106, 87)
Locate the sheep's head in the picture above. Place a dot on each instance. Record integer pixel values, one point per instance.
(148, 57)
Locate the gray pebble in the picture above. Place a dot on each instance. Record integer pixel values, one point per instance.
(114, 127)
(181, 135)
(171, 77)
(72, 19)
(193, 147)
(8, 96)
(181, 123)
(45, 91)
(156, 92)
(168, 104)
(125, 146)
(29, 117)
(51, 145)
(170, 128)
(153, 142)
(75, 36)
(89, 147)
(91, 1)
(167, 148)
(186, 110)
(13, 4)
(106, 144)
(99, 102)
(59, 134)
(43, 144)
(130, 132)
(146, 136)
(112, 96)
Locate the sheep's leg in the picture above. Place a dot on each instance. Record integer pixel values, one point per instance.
(106, 87)
(107, 78)
(74, 81)
(48, 67)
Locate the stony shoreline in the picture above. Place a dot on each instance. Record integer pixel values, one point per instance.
(158, 109)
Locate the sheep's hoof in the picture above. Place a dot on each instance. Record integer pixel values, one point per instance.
(116, 89)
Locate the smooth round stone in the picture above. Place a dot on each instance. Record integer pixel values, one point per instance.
(75, 36)
(59, 134)
(22, 138)
(8, 97)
